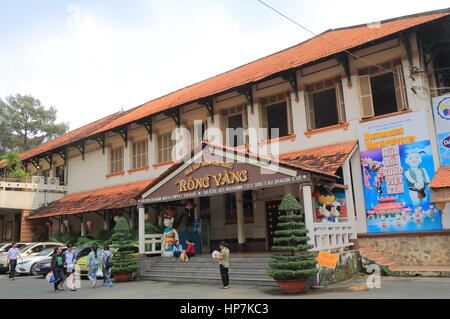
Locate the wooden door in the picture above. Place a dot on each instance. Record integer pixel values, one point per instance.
(271, 220)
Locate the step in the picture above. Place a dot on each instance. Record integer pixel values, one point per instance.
(383, 261)
(374, 255)
(232, 259)
(210, 280)
(366, 250)
(207, 272)
(213, 264)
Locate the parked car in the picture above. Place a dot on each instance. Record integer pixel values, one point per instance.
(82, 262)
(29, 250)
(4, 247)
(44, 267)
(28, 265)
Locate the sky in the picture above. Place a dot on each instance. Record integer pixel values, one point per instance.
(91, 58)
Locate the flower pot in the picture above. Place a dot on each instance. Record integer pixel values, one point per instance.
(122, 276)
(292, 286)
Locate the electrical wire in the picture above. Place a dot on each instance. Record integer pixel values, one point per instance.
(319, 36)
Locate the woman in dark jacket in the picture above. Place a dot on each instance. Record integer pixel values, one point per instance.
(58, 261)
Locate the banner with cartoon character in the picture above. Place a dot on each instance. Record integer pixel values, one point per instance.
(441, 112)
(397, 166)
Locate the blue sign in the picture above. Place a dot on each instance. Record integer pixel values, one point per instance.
(441, 109)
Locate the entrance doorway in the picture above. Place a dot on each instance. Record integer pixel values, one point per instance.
(271, 220)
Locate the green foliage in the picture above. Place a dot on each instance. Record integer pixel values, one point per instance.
(289, 203)
(292, 262)
(122, 237)
(14, 165)
(25, 123)
(69, 238)
(153, 229)
(39, 237)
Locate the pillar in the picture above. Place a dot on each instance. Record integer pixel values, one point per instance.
(106, 220)
(240, 222)
(141, 227)
(82, 227)
(132, 216)
(306, 193)
(349, 196)
(197, 208)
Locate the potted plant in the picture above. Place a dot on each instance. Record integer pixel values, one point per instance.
(124, 264)
(292, 265)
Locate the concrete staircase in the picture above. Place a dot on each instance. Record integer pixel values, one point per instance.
(248, 270)
(371, 255)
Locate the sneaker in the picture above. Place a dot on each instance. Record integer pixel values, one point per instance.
(110, 284)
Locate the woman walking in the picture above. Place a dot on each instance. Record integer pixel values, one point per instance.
(224, 264)
(106, 265)
(57, 265)
(93, 262)
(70, 262)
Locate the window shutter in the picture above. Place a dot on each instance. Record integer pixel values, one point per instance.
(365, 96)
(340, 102)
(399, 84)
(310, 118)
(223, 126)
(289, 115)
(245, 123)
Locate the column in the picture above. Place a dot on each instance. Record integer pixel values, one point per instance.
(306, 193)
(141, 216)
(82, 227)
(132, 217)
(240, 222)
(106, 220)
(349, 196)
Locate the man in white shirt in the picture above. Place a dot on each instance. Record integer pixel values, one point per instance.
(11, 259)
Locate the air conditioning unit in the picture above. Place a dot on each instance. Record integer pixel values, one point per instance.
(37, 179)
(54, 181)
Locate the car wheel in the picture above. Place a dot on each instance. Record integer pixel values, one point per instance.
(33, 270)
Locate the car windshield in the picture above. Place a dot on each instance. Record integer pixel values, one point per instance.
(46, 252)
(25, 248)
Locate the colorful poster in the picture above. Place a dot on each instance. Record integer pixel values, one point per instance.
(441, 110)
(397, 166)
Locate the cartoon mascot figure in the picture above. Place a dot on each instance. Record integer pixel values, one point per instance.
(329, 207)
(416, 177)
(170, 233)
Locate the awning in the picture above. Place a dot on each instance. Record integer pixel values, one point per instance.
(217, 169)
(440, 186)
(119, 196)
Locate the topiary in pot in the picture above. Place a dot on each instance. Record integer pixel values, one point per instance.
(292, 265)
(124, 264)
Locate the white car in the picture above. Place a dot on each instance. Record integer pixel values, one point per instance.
(29, 263)
(4, 247)
(29, 250)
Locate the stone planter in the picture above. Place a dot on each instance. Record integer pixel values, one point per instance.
(122, 276)
(292, 286)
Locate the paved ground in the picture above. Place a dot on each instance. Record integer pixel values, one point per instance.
(26, 287)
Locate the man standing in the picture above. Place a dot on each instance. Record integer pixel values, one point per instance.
(11, 259)
(224, 263)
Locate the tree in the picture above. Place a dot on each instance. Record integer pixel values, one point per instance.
(292, 262)
(123, 261)
(14, 165)
(25, 123)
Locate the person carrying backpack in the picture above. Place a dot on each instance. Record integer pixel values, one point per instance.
(106, 266)
(93, 262)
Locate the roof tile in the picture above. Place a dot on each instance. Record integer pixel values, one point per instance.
(442, 177)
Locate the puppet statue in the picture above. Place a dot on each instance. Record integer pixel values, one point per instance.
(329, 207)
(416, 177)
(170, 233)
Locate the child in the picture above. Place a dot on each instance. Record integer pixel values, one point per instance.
(190, 251)
(177, 249)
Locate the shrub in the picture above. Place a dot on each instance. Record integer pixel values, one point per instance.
(39, 237)
(292, 262)
(123, 261)
(70, 238)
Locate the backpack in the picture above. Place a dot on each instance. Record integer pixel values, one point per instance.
(108, 261)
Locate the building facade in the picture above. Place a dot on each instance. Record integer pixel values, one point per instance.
(353, 111)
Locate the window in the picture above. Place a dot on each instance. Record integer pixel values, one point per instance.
(60, 173)
(382, 92)
(140, 154)
(234, 125)
(165, 145)
(324, 104)
(200, 132)
(276, 113)
(116, 160)
(440, 77)
(231, 210)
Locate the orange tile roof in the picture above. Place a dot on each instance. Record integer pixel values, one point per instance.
(118, 196)
(293, 57)
(442, 177)
(298, 55)
(70, 137)
(324, 158)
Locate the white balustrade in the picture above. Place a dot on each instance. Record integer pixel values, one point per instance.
(331, 236)
(156, 244)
